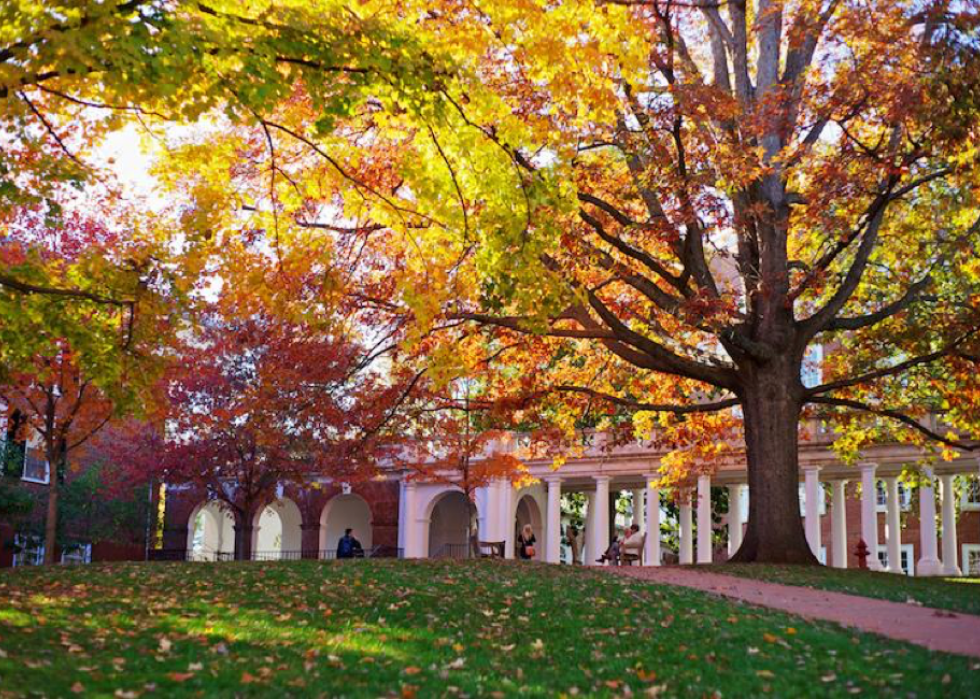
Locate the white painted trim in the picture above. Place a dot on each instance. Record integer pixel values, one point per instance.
(967, 550)
(907, 549)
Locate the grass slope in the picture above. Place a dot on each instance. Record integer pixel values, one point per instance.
(427, 628)
(954, 594)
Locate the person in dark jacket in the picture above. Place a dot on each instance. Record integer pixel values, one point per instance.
(525, 543)
(349, 547)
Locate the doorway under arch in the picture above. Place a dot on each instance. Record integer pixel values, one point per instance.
(528, 512)
(278, 532)
(211, 533)
(449, 516)
(342, 512)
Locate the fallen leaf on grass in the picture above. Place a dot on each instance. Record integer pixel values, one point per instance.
(180, 676)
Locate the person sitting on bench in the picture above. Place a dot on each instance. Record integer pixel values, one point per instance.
(632, 546)
(612, 553)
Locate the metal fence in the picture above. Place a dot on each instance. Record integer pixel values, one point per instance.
(459, 551)
(219, 556)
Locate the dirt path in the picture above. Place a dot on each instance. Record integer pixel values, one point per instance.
(950, 632)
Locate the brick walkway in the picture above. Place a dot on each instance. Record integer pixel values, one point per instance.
(935, 629)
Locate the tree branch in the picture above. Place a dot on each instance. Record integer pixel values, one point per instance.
(893, 415)
(652, 407)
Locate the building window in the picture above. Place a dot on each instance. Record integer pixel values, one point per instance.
(82, 553)
(971, 493)
(908, 557)
(36, 468)
(823, 500)
(904, 496)
(29, 550)
(971, 559)
(811, 373)
(822, 557)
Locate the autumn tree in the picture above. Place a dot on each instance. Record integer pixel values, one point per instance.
(664, 206)
(728, 187)
(452, 436)
(252, 403)
(65, 409)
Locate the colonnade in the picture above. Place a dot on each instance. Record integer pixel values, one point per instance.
(497, 502)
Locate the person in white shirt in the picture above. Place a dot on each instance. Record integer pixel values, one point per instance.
(633, 543)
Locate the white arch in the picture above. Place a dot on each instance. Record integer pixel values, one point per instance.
(446, 520)
(211, 532)
(528, 512)
(278, 530)
(539, 496)
(343, 511)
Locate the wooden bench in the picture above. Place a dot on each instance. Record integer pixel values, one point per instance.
(627, 558)
(491, 549)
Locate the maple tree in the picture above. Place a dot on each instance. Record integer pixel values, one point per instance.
(252, 402)
(69, 364)
(65, 409)
(452, 436)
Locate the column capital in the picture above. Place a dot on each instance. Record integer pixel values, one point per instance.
(601, 479)
(653, 481)
(811, 467)
(551, 478)
(867, 466)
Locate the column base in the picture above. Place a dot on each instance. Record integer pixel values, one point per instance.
(929, 567)
(952, 571)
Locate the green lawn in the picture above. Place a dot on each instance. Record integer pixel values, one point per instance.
(426, 629)
(954, 594)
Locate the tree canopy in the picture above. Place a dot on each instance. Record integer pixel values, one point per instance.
(644, 213)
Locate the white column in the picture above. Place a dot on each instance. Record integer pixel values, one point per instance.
(812, 507)
(552, 552)
(411, 521)
(651, 554)
(507, 519)
(600, 522)
(589, 553)
(639, 516)
(734, 519)
(869, 514)
(704, 519)
(686, 538)
(893, 522)
(838, 524)
(950, 566)
(929, 563)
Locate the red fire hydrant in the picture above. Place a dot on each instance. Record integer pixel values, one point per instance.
(862, 554)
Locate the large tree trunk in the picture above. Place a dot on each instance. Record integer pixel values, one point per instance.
(244, 533)
(775, 529)
(51, 521)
